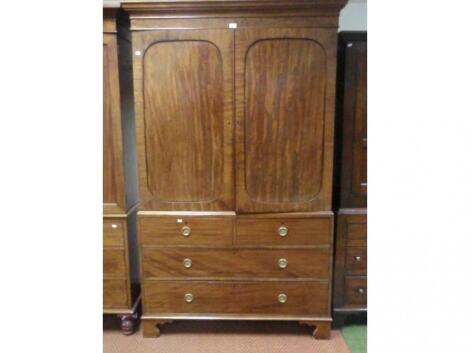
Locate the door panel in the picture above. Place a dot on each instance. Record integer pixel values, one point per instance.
(359, 172)
(284, 119)
(113, 175)
(352, 120)
(184, 118)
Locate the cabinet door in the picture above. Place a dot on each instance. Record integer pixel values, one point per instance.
(354, 120)
(183, 85)
(113, 174)
(285, 82)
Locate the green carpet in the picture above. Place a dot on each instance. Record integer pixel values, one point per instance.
(355, 337)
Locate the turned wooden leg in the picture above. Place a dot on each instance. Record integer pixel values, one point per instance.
(127, 324)
(150, 327)
(322, 329)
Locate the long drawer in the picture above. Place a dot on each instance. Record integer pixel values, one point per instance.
(114, 262)
(113, 232)
(286, 298)
(283, 231)
(115, 293)
(174, 230)
(212, 263)
(355, 291)
(356, 261)
(356, 234)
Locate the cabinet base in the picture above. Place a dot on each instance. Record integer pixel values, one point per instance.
(353, 315)
(151, 325)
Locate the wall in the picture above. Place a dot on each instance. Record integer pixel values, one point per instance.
(353, 16)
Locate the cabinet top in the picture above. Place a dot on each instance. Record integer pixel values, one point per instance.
(309, 7)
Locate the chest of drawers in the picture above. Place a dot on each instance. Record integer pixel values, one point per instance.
(234, 103)
(120, 268)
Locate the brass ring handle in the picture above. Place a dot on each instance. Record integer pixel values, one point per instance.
(188, 297)
(282, 231)
(187, 263)
(282, 298)
(283, 263)
(186, 231)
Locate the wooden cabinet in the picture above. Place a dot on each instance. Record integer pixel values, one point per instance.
(234, 105)
(120, 282)
(350, 285)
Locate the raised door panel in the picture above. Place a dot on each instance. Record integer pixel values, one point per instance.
(184, 118)
(113, 175)
(284, 109)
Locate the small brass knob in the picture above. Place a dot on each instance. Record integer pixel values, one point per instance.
(186, 231)
(188, 297)
(187, 263)
(361, 290)
(357, 258)
(282, 263)
(114, 226)
(283, 231)
(282, 298)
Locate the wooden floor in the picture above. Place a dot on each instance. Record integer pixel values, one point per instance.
(222, 337)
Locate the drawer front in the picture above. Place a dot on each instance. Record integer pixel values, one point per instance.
(267, 263)
(186, 230)
(303, 298)
(115, 293)
(289, 231)
(355, 291)
(356, 234)
(114, 262)
(113, 232)
(356, 260)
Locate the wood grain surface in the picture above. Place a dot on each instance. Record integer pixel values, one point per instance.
(236, 263)
(306, 298)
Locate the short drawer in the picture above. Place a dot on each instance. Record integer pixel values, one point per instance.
(186, 230)
(287, 298)
(113, 232)
(114, 262)
(115, 293)
(278, 231)
(356, 260)
(213, 263)
(356, 234)
(355, 291)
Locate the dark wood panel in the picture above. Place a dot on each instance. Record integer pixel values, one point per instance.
(114, 262)
(183, 87)
(356, 261)
(284, 108)
(254, 263)
(352, 119)
(202, 230)
(303, 231)
(307, 298)
(355, 291)
(115, 294)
